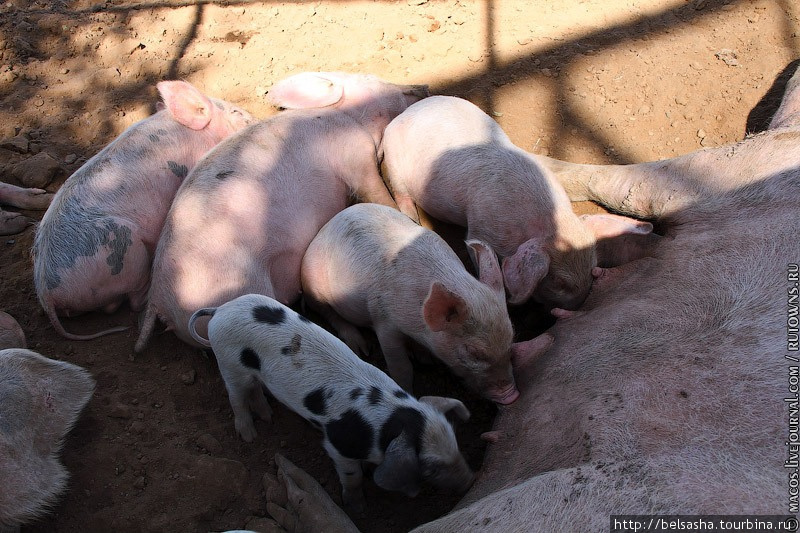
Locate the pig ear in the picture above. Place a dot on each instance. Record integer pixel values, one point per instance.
(523, 271)
(449, 407)
(620, 239)
(66, 387)
(399, 470)
(443, 308)
(186, 104)
(487, 265)
(306, 90)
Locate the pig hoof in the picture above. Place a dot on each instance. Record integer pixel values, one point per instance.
(246, 431)
(37, 199)
(13, 223)
(298, 503)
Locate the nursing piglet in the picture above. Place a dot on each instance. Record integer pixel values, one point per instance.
(363, 414)
(244, 217)
(451, 159)
(94, 245)
(372, 266)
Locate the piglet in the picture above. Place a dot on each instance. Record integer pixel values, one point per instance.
(244, 217)
(372, 266)
(363, 414)
(451, 159)
(94, 246)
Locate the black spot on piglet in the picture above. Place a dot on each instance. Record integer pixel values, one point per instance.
(223, 174)
(403, 419)
(351, 435)
(315, 401)
(269, 315)
(375, 396)
(179, 170)
(355, 393)
(250, 359)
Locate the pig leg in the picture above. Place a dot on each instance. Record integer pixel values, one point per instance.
(788, 114)
(398, 362)
(299, 504)
(258, 404)
(239, 384)
(351, 477)
(346, 331)
(407, 206)
(23, 198)
(372, 189)
(405, 203)
(13, 223)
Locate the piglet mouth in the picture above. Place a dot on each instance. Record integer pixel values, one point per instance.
(505, 396)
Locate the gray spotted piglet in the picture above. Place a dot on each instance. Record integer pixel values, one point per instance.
(373, 266)
(448, 157)
(94, 245)
(363, 414)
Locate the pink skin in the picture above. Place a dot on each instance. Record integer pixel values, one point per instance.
(243, 220)
(120, 198)
(450, 158)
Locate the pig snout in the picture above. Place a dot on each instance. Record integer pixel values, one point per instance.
(504, 395)
(498, 383)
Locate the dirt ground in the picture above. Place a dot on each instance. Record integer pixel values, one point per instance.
(603, 81)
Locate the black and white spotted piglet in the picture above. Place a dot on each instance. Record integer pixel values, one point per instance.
(364, 415)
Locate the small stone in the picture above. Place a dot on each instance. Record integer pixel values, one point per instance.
(701, 133)
(210, 444)
(36, 171)
(19, 144)
(136, 427)
(71, 158)
(189, 377)
(140, 483)
(728, 57)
